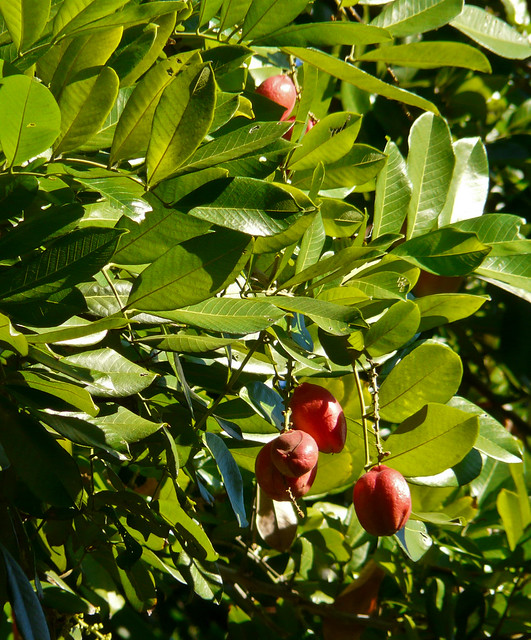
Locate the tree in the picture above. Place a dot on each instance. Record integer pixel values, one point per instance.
(172, 267)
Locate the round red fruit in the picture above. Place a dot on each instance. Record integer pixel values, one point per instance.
(310, 125)
(382, 501)
(294, 453)
(279, 89)
(315, 411)
(275, 484)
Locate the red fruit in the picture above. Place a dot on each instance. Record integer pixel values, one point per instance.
(294, 453)
(316, 411)
(279, 89)
(274, 483)
(287, 135)
(382, 501)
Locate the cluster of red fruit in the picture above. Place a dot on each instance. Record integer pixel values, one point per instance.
(280, 89)
(286, 466)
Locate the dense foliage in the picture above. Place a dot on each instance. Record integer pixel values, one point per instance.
(172, 267)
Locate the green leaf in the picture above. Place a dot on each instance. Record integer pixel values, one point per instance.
(182, 118)
(438, 433)
(253, 207)
(322, 34)
(25, 20)
(123, 194)
(266, 402)
(73, 13)
(233, 12)
(111, 374)
(430, 55)
(113, 429)
(443, 308)
(333, 318)
(405, 18)
(85, 104)
(469, 186)
(430, 164)
(445, 252)
(31, 622)
(228, 315)
(10, 336)
(509, 262)
(430, 373)
(57, 386)
(392, 195)
(494, 440)
(493, 228)
(328, 141)
(357, 77)
(414, 539)
(186, 342)
(207, 11)
(230, 473)
(492, 33)
(340, 219)
(394, 329)
(131, 137)
(40, 461)
(76, 330)
(514, 521)
(70, 260)
(361, 164)
(312, 244)
(191, 272)
(267, 16)
(29, 116)
(460, 474)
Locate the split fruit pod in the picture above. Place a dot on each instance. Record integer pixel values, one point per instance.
(382, 501)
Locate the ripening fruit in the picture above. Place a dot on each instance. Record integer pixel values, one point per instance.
(309, 125)
(294, 453)
(315, 411)
(279, 89)
(276, 484)
(382, 501)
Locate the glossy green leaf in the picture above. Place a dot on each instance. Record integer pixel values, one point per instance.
(319, 34)
(445, 251)
(514, 521)
(443, 308)
(438, 433)
(492, 33)
(122, 194)
(52, 270)
(331, 317)
(405, 18)
(359, 165)
(31, 622)
(182, 118)
(29, 118)
(190, 272)
(110, 373)
(131, 137)
(430, 164)
(494, 439)
(184, 342)
(509, 262)
(242, 142)
(58, 386)
(253, 207)
(85, 103)
(340, 219)
(266, 402)
(328, 141)
(268, 16)
(470, 182)
(414, 539)
(25, 20)
(11, 337)
(358, 78)
(73, 13)
(208, 10)
(233, 12)
(41, 463)
(230, 473)
(430, 373)
(311, 245)
(460, 474)
(76, 330)
(392, 195)
(493, 228)
(394, 329)
(430, 55)
(228, 315)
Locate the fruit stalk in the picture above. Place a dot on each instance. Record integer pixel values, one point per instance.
(363, 417)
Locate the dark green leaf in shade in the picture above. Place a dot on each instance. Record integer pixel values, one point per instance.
(40, 461)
